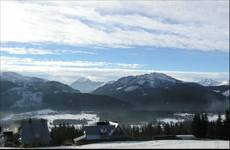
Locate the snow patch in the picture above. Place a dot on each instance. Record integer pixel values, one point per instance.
(119, 88)
(170, 120)
(226, 93)
(131, 88)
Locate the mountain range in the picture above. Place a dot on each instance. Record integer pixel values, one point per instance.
(148, 92)
(21, 93)
(157, 91)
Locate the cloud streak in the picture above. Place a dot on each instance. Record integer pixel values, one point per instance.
(186, 25)
(36, 51)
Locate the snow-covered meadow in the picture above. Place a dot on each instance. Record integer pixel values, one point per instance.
(51, 116)
(156, 144)
(89, 117)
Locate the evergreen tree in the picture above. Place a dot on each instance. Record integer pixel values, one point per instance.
(219, 127)
(226, 126)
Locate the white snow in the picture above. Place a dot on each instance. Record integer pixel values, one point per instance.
(183, 114)
(214, 117)
(226, 93)
(91, 117)
(181, 117)
(119, 88)
(51, 115)
(157, 144)
(209, 82)
(113, 123)
(131, 88)
(152, 80)
(170, 120)
(224, 83)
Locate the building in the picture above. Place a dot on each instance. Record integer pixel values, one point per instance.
(34, 132)
(102, 131)
(8, 138)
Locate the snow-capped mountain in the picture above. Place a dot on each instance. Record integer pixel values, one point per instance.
(209, 82)
(22, 93)
(86, 85)
(158, 91)
(152, 80)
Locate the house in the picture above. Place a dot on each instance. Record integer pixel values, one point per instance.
(102, 131)
(34, 132)
(8, 138)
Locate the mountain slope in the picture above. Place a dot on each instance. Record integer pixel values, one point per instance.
(85, 85)
(21, 93)
(158, 91)
(221, 89)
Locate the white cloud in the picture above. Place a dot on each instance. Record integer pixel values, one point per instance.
(25, 51)
(177, 24)
(35, 51)
(69, 71)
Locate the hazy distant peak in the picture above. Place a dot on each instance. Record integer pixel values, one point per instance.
(85, 85)
(83, 79)
(209, 82)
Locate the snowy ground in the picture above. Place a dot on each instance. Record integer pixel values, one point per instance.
(52, 115)
(90, 118)
(164, 144)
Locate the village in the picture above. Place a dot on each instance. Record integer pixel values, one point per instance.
(34, 132)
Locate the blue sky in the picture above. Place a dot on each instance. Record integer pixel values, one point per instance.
(63, 41)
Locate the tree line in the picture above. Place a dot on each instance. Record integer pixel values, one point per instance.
(64, 134)
(219, 129)
(151, 131)
(200, 127)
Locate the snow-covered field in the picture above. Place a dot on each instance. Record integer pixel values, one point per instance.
(52, 115)
(164, 144)
(92, 117)
(181, 117)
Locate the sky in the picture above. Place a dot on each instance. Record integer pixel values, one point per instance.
(106, 40)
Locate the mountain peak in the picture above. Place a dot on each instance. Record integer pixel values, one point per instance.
(139, 83)
(151, 80)
(85, 85)
(83, 79)
(157, 76)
